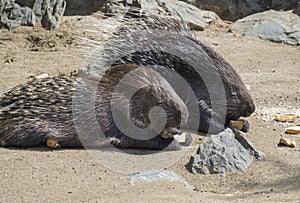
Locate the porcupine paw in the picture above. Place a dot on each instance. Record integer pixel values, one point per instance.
(170, 133)
(185, 139)
(246, 126)
(52, 143)
(2, 143)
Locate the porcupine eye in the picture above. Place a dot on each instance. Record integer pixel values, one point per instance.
(235, 97)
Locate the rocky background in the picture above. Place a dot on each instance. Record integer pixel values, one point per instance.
(273, 20)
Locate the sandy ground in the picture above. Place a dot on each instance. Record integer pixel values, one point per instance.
(43, 175)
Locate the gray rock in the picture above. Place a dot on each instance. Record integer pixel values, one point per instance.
(12, 15)
(233, 10)
(155, 175)
(48, 13)
(220, 154)
(275, 26)
(196, 18)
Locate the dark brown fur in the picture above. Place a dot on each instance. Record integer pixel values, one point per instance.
(175, 56)
(35, 111)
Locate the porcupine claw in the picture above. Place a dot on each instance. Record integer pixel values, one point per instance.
(52, 143)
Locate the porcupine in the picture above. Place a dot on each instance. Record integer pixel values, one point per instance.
(40, 111)
(168, 46)
(237, 102)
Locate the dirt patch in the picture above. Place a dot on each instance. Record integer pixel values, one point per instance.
(49, 42)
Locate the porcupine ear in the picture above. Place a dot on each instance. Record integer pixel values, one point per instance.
(140, 104)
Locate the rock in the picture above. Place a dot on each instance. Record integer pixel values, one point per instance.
(293, 130)
(288, 117)
(275, 26)
(196, 18)
(48, 13)
(290, 142)
(220, 154)
(13, 15)
(155, 175)
(233, 10)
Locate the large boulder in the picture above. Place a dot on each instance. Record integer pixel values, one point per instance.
(13, 15)
(275, 26)
(48, 13)
(196, 18)
(233, 10)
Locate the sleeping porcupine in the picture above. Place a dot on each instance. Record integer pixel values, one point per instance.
(40, 111)
(33, 113)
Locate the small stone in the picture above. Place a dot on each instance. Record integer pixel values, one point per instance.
(155, 175)
(293, 130)
(286, 117)
(44, 75)
(220, 154)
(288, 142)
